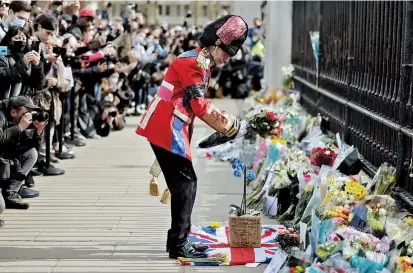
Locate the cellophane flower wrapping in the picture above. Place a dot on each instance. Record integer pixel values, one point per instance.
(386, 180)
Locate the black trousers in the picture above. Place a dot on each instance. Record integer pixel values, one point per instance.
(182, 183)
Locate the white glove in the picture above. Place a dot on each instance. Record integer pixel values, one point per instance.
(243, 129)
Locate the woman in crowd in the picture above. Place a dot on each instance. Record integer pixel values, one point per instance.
(20, 68)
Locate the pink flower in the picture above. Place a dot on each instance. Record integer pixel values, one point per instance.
(291, 229)
(294, 235)
(338, 221)
(307, 178)
(271, 116)
(282, 231)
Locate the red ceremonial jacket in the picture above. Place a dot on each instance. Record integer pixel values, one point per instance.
(168, 120)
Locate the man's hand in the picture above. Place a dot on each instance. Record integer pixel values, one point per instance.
(25, 121)
(52, 82)
(39, 127)
(35, 58)
(102, 67)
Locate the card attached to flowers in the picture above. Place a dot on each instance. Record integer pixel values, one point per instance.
(277, 262)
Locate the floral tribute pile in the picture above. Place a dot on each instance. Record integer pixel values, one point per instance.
(310, 183)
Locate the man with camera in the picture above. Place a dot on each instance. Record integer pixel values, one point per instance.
(21, 128)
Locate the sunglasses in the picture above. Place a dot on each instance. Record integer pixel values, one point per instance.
(4, 4)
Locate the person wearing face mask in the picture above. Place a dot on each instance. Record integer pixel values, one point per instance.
(19, 71)
(181, 98)
(18, 15)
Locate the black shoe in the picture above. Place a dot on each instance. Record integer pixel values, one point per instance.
(196, 247)
(187, 251)
(14, 201)
(28, 193)
(29, 182)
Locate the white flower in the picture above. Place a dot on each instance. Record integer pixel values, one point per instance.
(382, 212)
(290, 69)
(284, 70)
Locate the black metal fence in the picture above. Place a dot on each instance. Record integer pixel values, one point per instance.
(364, 81)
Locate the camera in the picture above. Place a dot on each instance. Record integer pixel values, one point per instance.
(113, 114)
(59, 51)
(41, 116)
(35, 46)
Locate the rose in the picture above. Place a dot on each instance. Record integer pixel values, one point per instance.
(271, 116)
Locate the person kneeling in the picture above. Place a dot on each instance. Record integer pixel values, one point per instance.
(19, 142)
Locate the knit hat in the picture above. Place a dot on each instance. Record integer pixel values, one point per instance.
(228, 32)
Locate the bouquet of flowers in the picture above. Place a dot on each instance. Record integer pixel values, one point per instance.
(288, 82)
(355, 189)
(302, 203)
(386, 181)
(288, 238)
(266, 124)
(404, 265)
(322, 156)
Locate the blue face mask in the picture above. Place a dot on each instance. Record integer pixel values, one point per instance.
(17, 22)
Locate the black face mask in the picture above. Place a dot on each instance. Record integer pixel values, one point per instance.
(18, 46)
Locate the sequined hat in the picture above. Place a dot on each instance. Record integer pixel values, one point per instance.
(228, 32)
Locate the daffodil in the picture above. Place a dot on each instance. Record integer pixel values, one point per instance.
(215, 225)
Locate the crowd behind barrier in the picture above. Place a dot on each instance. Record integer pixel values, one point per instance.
(68, 75)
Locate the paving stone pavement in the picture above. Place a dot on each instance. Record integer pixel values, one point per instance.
(98, 217)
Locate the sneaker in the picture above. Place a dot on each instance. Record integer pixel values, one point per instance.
(186, 251)
(15, 201)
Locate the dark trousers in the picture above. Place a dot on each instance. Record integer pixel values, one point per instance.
(182, 183)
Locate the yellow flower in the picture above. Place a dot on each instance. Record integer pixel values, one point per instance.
(215, 225)
(279, 140)
(355, 189)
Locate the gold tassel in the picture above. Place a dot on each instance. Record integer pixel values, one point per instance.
(153, 187)
(166, 197)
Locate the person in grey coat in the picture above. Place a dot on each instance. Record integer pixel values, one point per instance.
(20, 72)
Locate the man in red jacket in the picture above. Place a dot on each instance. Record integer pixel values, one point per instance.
(169, 120)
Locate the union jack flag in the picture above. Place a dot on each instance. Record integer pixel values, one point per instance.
(220, 253)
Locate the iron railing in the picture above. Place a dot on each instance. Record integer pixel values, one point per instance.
(364, 81)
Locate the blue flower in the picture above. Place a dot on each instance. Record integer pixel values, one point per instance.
(234, 165)
(250, 175)
(237, 173)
